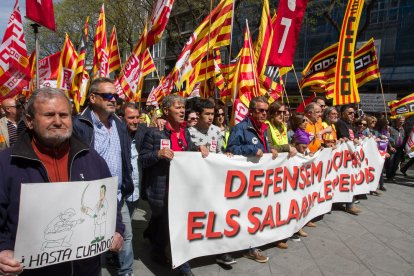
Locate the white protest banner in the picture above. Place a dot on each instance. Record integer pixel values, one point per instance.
(60, 222)
(221, 204)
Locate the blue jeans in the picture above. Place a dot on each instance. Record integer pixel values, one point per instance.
(126, 255)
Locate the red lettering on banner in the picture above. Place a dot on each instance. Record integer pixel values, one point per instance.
(192, 224)
(268, 219)
(231, 176)
(277, 180)
(343, 182)
(268, 182)
(327, 185)
(317, 170)
(254, 183)
(279, 220)
(337, 160)
(347, 158)
(291, 178)
(293, 211)
(210, 234)
(235, 227)
(254, 220)
(369, 174)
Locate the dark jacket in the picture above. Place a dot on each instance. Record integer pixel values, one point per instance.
(83, 127)
(244, 139)
(20, 164)
(343, 129)
(156, 169)
(139, 139)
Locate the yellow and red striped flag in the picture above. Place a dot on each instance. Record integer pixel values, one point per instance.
(264, 40)
(366, 63)
(345, 85)
(100, 53)
(131, 73)
(148, 65)
(113, 56)
(86, 29)
(81, 78)
(213, 32)
(403, 107)
(245, 84)
(67, 65)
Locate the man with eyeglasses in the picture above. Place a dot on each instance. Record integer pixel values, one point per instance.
(156, 153)
(345, 130)
(321, 102)
(249, 138)
(12, 124)
(99, 127)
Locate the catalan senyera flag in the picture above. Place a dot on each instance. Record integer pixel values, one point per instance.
(86, 29)
(148, 65)
(213, 32)
(100, 51)
(131, 73)
(264, 40)
(366, 63)
(113, 52)
(345, 86)
(320, 71)
(245, 85)
(403, 107)
(81, 78)
(14, 68)
(227, 70)
(158, 21)
(67, 65)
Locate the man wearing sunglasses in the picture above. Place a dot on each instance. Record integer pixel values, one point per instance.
(12, 124)
(249, 138)
(99, 127)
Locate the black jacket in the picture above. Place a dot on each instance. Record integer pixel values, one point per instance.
(156, 169)
(20, 164)
(83, 127)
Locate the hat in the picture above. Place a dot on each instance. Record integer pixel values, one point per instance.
(301, 137)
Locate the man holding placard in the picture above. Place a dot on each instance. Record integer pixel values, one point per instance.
(46, 152)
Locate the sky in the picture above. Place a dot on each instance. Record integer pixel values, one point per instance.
(6, 8)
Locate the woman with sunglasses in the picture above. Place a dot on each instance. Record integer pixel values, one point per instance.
(277, 129)
(191, 117)
(361, 126)
(371, 122)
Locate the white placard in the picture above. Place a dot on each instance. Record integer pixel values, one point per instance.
(60, 222)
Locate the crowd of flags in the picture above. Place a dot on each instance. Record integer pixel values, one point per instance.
(258, 69)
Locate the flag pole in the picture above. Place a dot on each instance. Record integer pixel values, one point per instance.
(231, 39)
(252, 61)
(297, 81)
(383, 96)
(37, 50)
(208, 51)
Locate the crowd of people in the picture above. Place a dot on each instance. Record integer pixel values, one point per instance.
(42, 140)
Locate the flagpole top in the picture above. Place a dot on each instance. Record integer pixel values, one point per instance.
(35, 27)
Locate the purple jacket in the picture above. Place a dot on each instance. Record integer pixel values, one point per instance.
(19, 164)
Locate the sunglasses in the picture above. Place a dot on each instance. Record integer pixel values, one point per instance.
(281, 112)
(322, 105)
(107, 96)
(351, 113)
(261, 110)
(362, 124)
(219, 114)
(181, 144)
(193, 119)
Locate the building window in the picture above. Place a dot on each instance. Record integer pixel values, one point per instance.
(385, 11)
(156, 50)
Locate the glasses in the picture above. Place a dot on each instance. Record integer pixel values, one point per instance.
(193, 119)
(362, 124)
(351, 113)
(261, 110)
(181, 144)
(107, 96)
(219, 114)
(279, 112)
(322, 105)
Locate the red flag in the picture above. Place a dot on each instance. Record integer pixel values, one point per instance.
(41, 12)
(286, 31)
(159, 20)
(48, 67)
